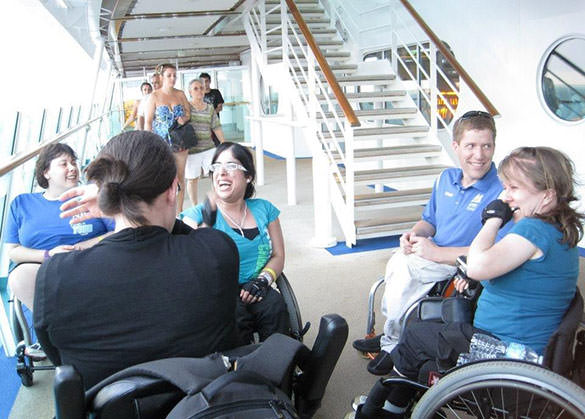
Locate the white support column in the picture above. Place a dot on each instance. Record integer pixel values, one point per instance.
(284, 27)
(291, 166)
(256, 123)
(394, 22)
(321, 200)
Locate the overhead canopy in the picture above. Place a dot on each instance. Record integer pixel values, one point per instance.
(139, 34)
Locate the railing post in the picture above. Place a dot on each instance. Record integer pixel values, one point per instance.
(394, 22)
(284, 28)
(321, 197)
(349, 182)
(263, 37)
(434, 89)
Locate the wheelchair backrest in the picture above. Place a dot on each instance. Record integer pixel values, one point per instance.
(558, 354)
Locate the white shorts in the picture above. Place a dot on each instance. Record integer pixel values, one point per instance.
(197, 162)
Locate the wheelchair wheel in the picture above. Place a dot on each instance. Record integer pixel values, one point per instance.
(292, 307)
(507, 389)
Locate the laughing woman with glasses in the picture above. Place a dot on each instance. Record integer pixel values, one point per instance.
(254, 226)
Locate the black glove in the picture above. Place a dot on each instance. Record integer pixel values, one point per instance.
(257, 287)
(209, 213)
(497, 209)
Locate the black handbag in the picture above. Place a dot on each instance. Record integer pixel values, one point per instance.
(182, 136)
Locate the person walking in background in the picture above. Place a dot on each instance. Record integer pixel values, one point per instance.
(206, 123)
(213, 97)
(145, 89)
(164, 107)
(156, 84)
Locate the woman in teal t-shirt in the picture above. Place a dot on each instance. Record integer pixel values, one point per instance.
(254, 226)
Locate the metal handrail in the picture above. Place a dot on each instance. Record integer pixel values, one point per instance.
(452, 60)
(21, 158)
(329, 76)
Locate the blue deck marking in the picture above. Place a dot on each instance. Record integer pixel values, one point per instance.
(365, 245)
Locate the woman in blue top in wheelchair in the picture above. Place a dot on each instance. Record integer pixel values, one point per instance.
(35, 232)
(254, 226)
(529, 276)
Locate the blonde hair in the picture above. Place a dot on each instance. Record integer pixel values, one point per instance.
(549, 169)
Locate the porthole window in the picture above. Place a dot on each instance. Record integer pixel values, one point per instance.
(562, 79)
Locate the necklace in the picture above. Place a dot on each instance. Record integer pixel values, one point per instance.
(239, 225)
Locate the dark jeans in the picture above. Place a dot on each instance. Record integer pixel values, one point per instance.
(426, 341)
(265, 317)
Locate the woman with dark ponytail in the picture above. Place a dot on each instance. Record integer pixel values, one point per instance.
(154, 289)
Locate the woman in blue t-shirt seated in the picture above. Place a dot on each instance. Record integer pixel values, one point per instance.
(254, 226)
(529, 276)
(34, 230)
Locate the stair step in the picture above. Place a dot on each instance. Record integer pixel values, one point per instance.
(398, 173)
(345, 68)
(324, 43)
(395, 224)
(329, 55)
(352, 80)
(393, 113)
(411, 131)
(401, 151)
(309, 20)
(385, 96)
(275, 2)
(394, 198)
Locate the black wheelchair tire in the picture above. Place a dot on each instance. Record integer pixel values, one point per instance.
(510, 375)
(292, 306)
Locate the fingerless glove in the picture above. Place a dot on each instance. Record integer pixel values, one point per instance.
(497, 209)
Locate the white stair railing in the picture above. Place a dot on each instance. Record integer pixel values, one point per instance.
(333, 136)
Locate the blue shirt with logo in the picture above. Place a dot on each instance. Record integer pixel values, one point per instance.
(455, 211)
(34, 222)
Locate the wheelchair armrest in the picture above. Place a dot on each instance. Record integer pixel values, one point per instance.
(333, 331)
(430, 309)
(131, 397)
(69, 394)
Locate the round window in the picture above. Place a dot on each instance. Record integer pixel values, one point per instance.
(562, 80)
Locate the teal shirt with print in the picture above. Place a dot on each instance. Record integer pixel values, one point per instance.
(254, 254)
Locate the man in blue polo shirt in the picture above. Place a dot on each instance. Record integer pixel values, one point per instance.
(450, 221)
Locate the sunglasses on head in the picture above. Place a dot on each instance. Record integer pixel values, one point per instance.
(476, 114)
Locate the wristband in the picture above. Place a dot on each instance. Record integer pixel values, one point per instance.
(46, 255)
(270, 272)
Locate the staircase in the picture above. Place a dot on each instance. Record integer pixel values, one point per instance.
(392, 160)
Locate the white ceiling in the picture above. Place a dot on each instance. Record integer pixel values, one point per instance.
(140, 34)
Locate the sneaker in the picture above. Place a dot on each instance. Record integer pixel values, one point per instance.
(368, 345)
(361, 399)
(382, 364)
(35, 352)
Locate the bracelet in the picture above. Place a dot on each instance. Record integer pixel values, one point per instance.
(46, 255)
(270, 272)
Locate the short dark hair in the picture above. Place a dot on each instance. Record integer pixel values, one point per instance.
(474, 120)
(46, 156)
(145, 84)
(245, 157)
(205, 76)
(134, 167)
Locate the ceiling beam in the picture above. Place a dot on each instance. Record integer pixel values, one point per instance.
(225, 50)
(176, 14)
(196, 36)
(154, 61)
(193, 64)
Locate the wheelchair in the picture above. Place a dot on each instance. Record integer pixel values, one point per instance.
(494, 388)
(124, 398)
(25, 365)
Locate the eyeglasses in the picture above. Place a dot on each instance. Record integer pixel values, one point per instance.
(476, 114)
(228, 167)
